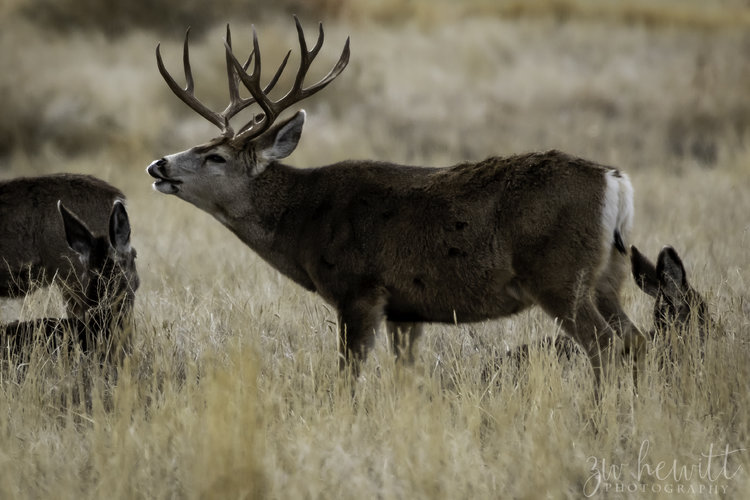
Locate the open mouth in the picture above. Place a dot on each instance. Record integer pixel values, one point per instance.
(163, 184)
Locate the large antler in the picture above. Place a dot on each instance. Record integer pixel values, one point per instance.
(272, 109)
(236, 103)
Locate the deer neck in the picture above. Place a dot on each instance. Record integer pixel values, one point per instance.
(264, 220)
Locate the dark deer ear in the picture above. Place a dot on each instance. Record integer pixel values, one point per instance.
(119, 227)
(78, 236)
(644, 272)
(671, 273)
(280, 141)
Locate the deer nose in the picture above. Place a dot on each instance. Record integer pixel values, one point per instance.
(156, 166)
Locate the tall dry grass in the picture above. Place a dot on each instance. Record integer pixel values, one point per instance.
(233, 389)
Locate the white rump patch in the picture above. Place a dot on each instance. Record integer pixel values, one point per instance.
(617, 212)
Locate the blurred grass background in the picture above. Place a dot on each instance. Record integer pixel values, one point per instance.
(233, 390)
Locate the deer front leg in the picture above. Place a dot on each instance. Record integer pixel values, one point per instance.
(359, 319)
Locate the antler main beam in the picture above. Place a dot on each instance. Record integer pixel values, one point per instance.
(187, 95)
(237, 72)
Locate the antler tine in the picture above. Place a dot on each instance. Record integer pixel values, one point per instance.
(229, 63)
(236, 103)
(306, 56)
(252, 82)
(335, 71)
(276, 77)
(189, 83)
(187, 94)
(232, 78)
(234, 92)
(318, 43)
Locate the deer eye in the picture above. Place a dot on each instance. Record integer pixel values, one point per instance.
(214, 158)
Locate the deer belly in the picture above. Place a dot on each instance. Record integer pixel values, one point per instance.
(455, 300)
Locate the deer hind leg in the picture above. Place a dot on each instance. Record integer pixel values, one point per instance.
(403, 337)
(608, 288)
(359, 319)
(592, 332)
(581, 320)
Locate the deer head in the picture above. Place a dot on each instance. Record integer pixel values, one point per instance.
(214, 176)
(677, 304)
(110, 279)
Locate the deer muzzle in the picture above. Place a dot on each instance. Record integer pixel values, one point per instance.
(163, 183)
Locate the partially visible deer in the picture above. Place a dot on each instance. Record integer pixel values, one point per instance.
(407, 244)
(677, 304)
(93, 263)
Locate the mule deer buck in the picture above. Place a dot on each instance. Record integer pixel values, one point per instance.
(408, 244)
(93, 266)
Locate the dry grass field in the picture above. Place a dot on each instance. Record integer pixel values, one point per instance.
(233, 388)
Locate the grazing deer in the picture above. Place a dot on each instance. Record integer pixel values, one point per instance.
(96, 274)
(408, 244)
(677, 304)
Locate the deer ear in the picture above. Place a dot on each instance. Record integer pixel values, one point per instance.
(644, 272)
(119, 227)
(78, 236)
(280, 141)
(671, 273)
